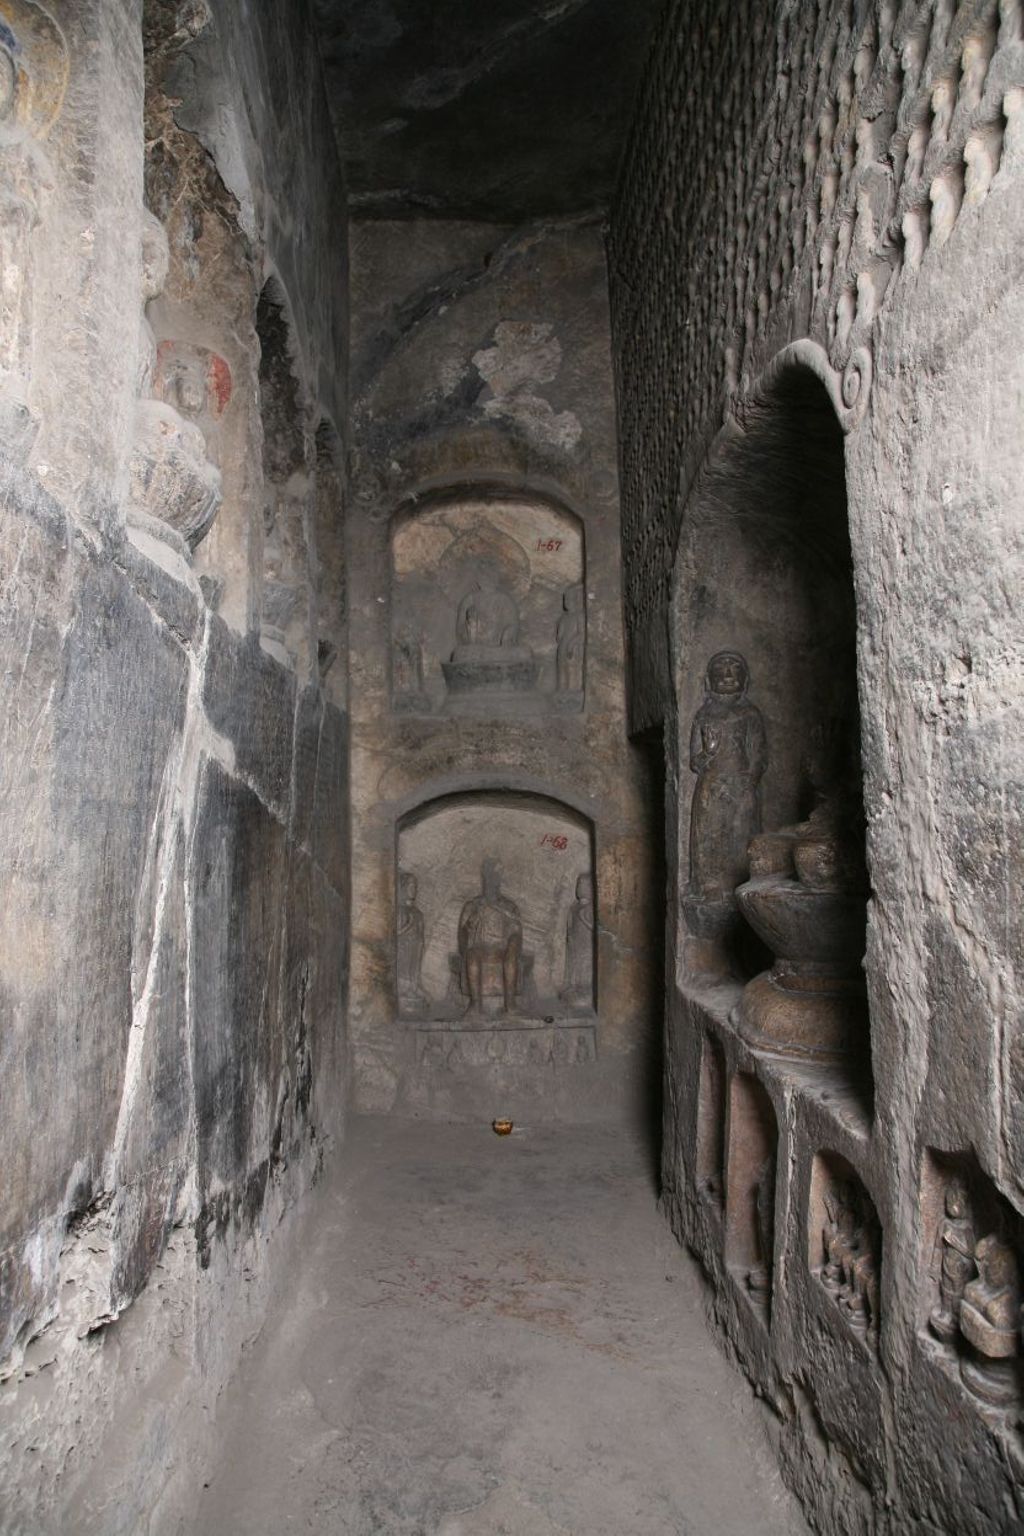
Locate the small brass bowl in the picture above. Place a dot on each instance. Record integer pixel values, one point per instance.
(501, 1127)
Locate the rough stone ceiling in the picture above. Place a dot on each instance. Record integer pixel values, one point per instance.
(487, 109)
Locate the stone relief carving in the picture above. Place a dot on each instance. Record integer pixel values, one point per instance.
(490, 946)
(33, 81)
(954, 1260)
(728, 753)
(807, 899)
(407, 672)
(493, 589)
(759, 1276)
(851, 1246)
(489, 658)
(990, 1322)
(173, 483)
(409, 944)
(450, 1049)
(571, 641)
(579, 947)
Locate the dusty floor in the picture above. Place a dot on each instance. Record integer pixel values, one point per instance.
(491, 1336)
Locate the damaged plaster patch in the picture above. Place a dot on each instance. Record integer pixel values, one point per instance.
(525, 354)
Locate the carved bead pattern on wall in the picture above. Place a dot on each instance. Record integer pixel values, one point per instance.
(800, 216)
(496, 913)
(488, 610)
(34, 69)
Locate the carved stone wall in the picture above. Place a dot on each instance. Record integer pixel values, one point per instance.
(173, 804)
(827, 199)
(487, 694)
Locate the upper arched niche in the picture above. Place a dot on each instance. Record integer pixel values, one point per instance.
(488, 604)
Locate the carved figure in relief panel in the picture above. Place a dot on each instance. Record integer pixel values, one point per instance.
(490, 945)
(989, 1321)
(33, 82)
(571, 640)
(954, 1260)
(409, 945)
(489, 657)
(759, 1277)
(487, 624)
(839, 1237)
(728, 753)
(407, 671)
(579, 947)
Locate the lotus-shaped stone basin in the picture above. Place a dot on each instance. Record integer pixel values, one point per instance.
(825, 928)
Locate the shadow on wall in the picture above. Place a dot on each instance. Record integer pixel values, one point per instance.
(649, 751)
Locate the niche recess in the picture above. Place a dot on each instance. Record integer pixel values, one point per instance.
(845, 1245)
(971, 1271)
(764, 569)
(286, 621)
(519, 648)
(542, 853)
(751, 1156)
(711, 1121)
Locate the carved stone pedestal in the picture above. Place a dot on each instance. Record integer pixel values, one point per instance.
(505, 684)
(811, 1005)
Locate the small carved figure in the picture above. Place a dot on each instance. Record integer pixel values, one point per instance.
(487, 622)
(571, 637)
(839, 1237)
(490, 943)
(759, 1276)
(579, 947)
(728, 754)
(989, 1321)
(954, 1258)
(409, 942)
(851, 1272)
(407, 665)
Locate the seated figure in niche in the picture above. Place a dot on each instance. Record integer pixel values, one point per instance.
(990, 1322)
(490, 944)
(487, 625)
(579, 947)
(728, 753)
(409, 930)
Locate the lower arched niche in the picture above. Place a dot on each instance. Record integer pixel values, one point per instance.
(495, 929)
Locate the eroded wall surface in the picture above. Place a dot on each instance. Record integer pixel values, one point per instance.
(486, 691)
(174, 796)
(832, 195)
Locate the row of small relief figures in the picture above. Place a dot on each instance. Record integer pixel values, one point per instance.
(492, 974)
(979, 1312)
(490, 660)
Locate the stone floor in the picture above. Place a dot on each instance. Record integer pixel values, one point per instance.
(492, 1336)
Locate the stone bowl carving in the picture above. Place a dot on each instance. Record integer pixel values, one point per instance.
(171, 478)
(803, 923)
(811, 1005)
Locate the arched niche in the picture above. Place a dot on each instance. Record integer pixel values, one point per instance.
(764, 569)
(542, 852)
(488, 605)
